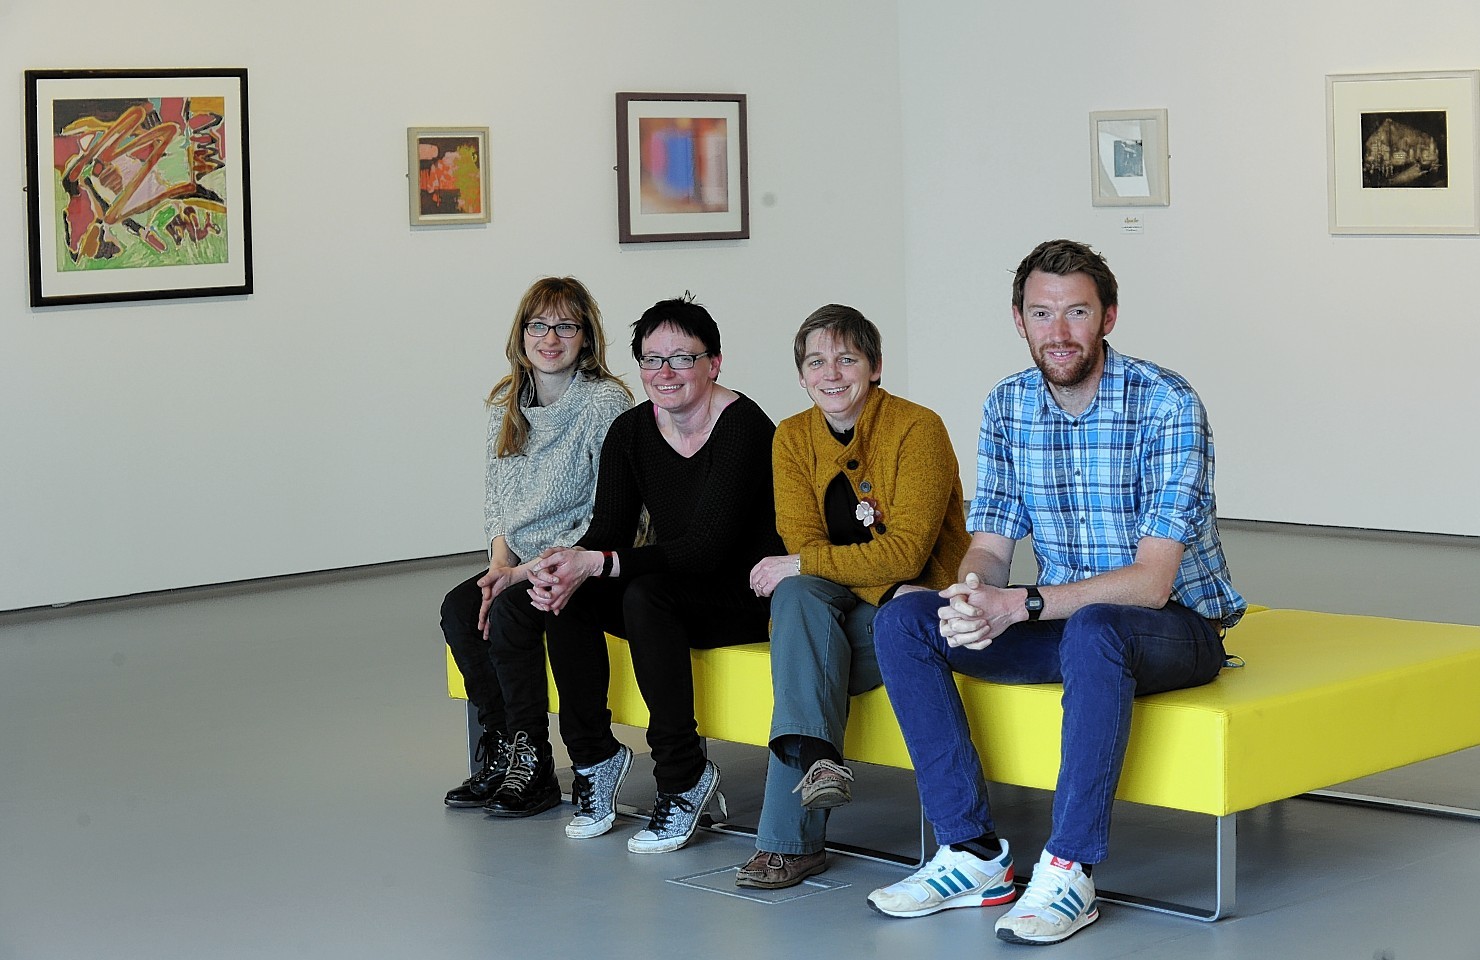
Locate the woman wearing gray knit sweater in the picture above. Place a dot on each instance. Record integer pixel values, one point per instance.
(547, 421)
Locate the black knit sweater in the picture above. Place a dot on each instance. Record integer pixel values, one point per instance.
(712, 514)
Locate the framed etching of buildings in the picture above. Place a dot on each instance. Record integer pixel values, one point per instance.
(1402, 152)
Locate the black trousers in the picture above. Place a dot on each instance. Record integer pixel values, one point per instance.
(661, 616)
(505, 674)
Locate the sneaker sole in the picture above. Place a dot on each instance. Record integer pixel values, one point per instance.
(584, 831)
(670, 844)
(1009, 936)
(549, 800)
(989, 898)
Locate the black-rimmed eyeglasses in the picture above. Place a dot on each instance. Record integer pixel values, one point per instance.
(679, 361)
(538, 328)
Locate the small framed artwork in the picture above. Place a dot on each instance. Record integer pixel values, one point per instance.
(682, 171)
(1402, 152)
(137, 185)
(448, 171)
(1128, 158)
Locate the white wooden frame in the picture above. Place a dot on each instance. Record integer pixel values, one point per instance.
(1129, 158)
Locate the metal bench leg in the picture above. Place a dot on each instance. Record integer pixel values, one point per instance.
(1225, 881)
(475, 733)
(1388, 803)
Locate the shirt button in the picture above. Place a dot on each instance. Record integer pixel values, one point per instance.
(852, 464)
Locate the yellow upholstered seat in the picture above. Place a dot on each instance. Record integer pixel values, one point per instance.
(1323, 698)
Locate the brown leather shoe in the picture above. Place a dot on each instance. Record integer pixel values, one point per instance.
(825, 786)
(772, 871)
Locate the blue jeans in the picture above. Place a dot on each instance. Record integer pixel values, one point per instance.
(1105, 655)
(822, 652)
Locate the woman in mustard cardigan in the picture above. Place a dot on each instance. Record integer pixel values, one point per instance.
(868, 501)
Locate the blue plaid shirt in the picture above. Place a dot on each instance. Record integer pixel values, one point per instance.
(1138, 462)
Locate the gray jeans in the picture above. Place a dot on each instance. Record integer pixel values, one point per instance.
(822, 652)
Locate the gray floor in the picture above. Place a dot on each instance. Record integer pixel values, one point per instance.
(258, 773)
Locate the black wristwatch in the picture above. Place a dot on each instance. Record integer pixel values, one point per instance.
(1033, 603)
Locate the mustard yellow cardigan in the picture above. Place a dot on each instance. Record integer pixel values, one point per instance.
(902, 452)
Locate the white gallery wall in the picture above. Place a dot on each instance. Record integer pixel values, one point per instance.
(334, 417)
(1340, 372)
(903, 158)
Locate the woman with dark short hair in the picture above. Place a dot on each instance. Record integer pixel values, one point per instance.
(697, 456)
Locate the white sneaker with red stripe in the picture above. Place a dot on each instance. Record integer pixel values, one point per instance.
(952, 878)
(1059, 900)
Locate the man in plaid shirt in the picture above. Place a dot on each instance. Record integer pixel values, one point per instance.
(1108, 462)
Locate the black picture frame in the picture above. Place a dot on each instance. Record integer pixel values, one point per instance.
(138, 185)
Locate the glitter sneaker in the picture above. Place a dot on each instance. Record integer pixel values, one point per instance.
(594, 793)
(676, 815)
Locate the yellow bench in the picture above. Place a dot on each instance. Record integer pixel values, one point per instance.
(1323, 698)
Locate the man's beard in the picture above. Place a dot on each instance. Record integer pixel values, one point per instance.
(1077, 372)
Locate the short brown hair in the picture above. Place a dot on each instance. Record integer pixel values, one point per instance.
(1061, 258)
(848, 325)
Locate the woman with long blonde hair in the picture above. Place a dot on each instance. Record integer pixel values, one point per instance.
(548, 418)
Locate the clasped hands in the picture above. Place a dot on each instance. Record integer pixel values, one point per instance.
(976, 614)
(556, 574)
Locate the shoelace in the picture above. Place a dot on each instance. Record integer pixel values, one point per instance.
(1041, 893)
(522, 765)
(492, 753)
(583, 794)
(663, 809)
(825, 770)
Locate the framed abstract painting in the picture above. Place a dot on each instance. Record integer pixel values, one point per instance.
(682, 170)
(448, 169)
(137, 185)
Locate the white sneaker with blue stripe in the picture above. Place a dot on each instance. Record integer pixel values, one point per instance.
(952, 878)
(1059, 900)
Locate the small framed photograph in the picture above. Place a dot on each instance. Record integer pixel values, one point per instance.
(1402, 154)
(449, 176)
(137, 185)
(682, 171)
(1128, 158)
